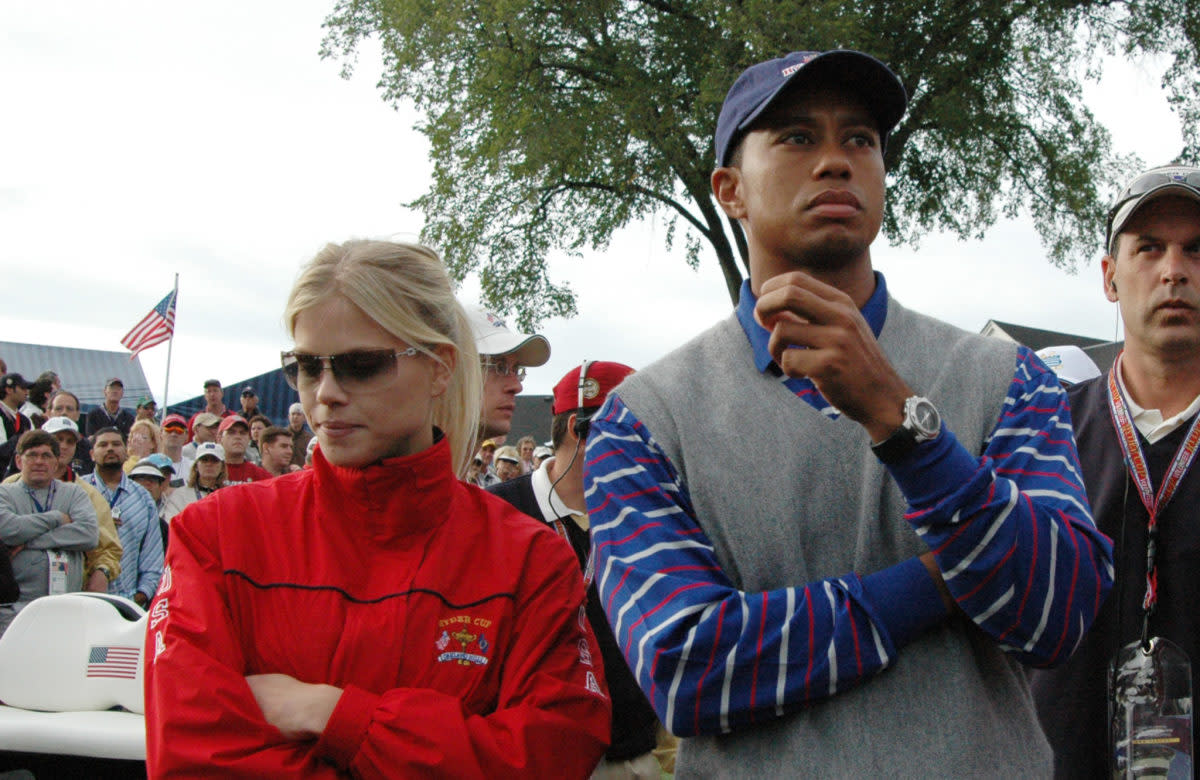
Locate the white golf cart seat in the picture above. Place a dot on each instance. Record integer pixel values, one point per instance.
(65, 663)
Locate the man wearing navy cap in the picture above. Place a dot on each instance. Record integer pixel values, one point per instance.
(857, 597)
(249, 401)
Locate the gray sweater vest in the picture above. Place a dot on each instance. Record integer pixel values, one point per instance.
(789, 496)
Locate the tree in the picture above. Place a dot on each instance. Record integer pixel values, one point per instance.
(553, 124)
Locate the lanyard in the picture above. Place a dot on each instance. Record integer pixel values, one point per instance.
(1135, 464)
(589, 563)
(49, 497)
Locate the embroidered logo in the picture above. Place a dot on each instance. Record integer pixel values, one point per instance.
(463, 641)
(593, 685)
(790, 69)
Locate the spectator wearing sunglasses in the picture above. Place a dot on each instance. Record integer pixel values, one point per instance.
(504, 356)
(373, 615)
(1151, 399)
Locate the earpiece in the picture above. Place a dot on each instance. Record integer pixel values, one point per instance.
(582, 424)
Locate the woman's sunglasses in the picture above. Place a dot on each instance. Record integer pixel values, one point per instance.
(352, 370)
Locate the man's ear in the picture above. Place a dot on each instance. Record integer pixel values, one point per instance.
(1108, 267)
(727, 190)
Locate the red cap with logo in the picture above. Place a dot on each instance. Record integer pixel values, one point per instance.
(587, 385)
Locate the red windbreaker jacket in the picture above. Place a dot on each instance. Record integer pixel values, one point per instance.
(454, 624)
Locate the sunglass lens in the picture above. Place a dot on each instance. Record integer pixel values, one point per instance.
(363, 366)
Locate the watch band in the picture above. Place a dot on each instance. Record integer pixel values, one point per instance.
(896, 447)
(921, 423)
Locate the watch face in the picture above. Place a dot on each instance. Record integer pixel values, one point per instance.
(925, 418)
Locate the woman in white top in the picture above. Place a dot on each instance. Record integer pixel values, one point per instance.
(206, 476)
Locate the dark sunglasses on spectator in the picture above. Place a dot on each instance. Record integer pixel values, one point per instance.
(1183, 177)
(351, 369)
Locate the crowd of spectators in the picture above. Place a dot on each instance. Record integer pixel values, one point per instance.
(134, 472)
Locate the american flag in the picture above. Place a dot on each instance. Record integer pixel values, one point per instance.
(120, 662)
(155, 327)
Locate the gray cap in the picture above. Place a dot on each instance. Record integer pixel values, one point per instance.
(1179, 180)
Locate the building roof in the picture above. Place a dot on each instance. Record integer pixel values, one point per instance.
(1037, 338)
(1103, 353)
(274, 397)
(83, 371)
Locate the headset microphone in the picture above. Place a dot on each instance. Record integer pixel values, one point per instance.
(582, 424)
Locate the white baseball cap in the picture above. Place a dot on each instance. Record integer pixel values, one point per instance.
(56, 424)
(1070, 363)
(492, 337)
(210, 448)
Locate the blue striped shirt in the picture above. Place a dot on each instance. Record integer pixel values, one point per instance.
(142, 558)
(1011, 532)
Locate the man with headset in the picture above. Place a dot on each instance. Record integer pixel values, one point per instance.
(554, 493)
(1138, 429)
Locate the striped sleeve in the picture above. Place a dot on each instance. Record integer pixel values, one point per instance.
(709, 656)
(1012, 531)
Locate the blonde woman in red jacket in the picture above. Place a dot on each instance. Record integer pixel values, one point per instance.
(373, 616)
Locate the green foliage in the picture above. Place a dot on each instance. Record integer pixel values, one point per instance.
(554, 124)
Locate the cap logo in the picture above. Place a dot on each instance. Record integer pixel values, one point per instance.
(790, 69)
(591, 388)
(495, 321)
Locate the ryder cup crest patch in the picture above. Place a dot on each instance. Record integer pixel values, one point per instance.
(462, 640)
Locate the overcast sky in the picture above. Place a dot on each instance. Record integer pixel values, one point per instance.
(144, 139)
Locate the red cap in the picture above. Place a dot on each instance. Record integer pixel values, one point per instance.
(599, 380)
(177, 419)
(230, 421)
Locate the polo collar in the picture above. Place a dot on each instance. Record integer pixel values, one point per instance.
(874, 312)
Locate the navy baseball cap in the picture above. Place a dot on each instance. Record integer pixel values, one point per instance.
(758, 86)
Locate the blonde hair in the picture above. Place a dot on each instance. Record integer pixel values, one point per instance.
(151, 430)
(406, 290)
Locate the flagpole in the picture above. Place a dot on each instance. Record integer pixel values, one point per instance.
(170, 344)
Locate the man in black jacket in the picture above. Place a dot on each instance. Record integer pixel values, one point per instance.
(14, 389)
(1137, 428)
(553, 493)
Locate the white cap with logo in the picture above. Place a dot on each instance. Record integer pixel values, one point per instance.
(56, 424)
(492, 337)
